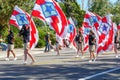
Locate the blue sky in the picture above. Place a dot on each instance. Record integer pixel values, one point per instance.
(85, 3)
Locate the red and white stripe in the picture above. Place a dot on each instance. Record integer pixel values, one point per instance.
(57, 22)
(105, 39)
(33, 29)
(72, 34)
(88, 23)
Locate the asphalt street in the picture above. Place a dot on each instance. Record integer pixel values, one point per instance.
(49, 66)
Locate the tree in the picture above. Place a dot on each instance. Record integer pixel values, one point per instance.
(72, 9)
(6, 8)
(101, 7)
(116, 12)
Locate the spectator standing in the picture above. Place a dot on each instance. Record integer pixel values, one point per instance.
(47, 42)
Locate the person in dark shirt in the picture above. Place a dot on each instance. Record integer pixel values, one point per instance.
(91, 45)
(79, 42)
(47, 41)
(116, 39)
(10, 41)
(25, 32)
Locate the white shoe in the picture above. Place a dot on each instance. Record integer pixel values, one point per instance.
(82, 57)
(116, 56)
(15, 59)
(77, 56)
(25, 62)
(7, 59)
(94, 60)
(90, 61)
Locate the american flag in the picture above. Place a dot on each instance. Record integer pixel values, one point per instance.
(90, 20)
(49, 11)
(71, 32)
(105, 35)
(20, 18)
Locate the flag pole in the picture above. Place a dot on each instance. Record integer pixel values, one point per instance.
(43, 21)
(31, 12)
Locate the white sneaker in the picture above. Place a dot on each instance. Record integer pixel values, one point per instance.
(116, 56)
(82, 57)
(7, 59)
(25, 62)
(15, 59)
(94, 60)
(90, 61)
(77, 56)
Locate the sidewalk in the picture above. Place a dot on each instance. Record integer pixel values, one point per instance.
(20, 52)
(67, 56)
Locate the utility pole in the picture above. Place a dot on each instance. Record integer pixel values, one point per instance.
(82, 4)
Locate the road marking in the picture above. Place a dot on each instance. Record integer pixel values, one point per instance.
(98, 74)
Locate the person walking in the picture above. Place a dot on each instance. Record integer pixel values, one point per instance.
(10, 41)
(92, 45)
(79, 42)
(116, 39)
(25, 32)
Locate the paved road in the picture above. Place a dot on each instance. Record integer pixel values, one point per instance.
(49, 66)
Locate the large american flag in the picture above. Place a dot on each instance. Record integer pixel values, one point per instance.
(20, 18)
(105, 35)
(90, 20)
(49, 11)
(103, 29)
(71, 33)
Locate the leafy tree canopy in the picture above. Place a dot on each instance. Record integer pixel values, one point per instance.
(72, 9)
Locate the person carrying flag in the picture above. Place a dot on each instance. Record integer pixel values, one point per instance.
(91, 45)
(10, 41)
(115, 43)
(79, 41)
(25, 32)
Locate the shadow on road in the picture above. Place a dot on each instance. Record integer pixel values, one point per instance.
(55, 72)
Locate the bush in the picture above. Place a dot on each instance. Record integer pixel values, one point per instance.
(19, 42)
(41, 42)
(42, 32)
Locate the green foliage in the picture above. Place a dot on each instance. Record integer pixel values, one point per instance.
(101, 7)
(18, 40)
(116, 12)
(104, 7)
(42, 32)
(72, 9)
(52, 38)
(41, 41)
